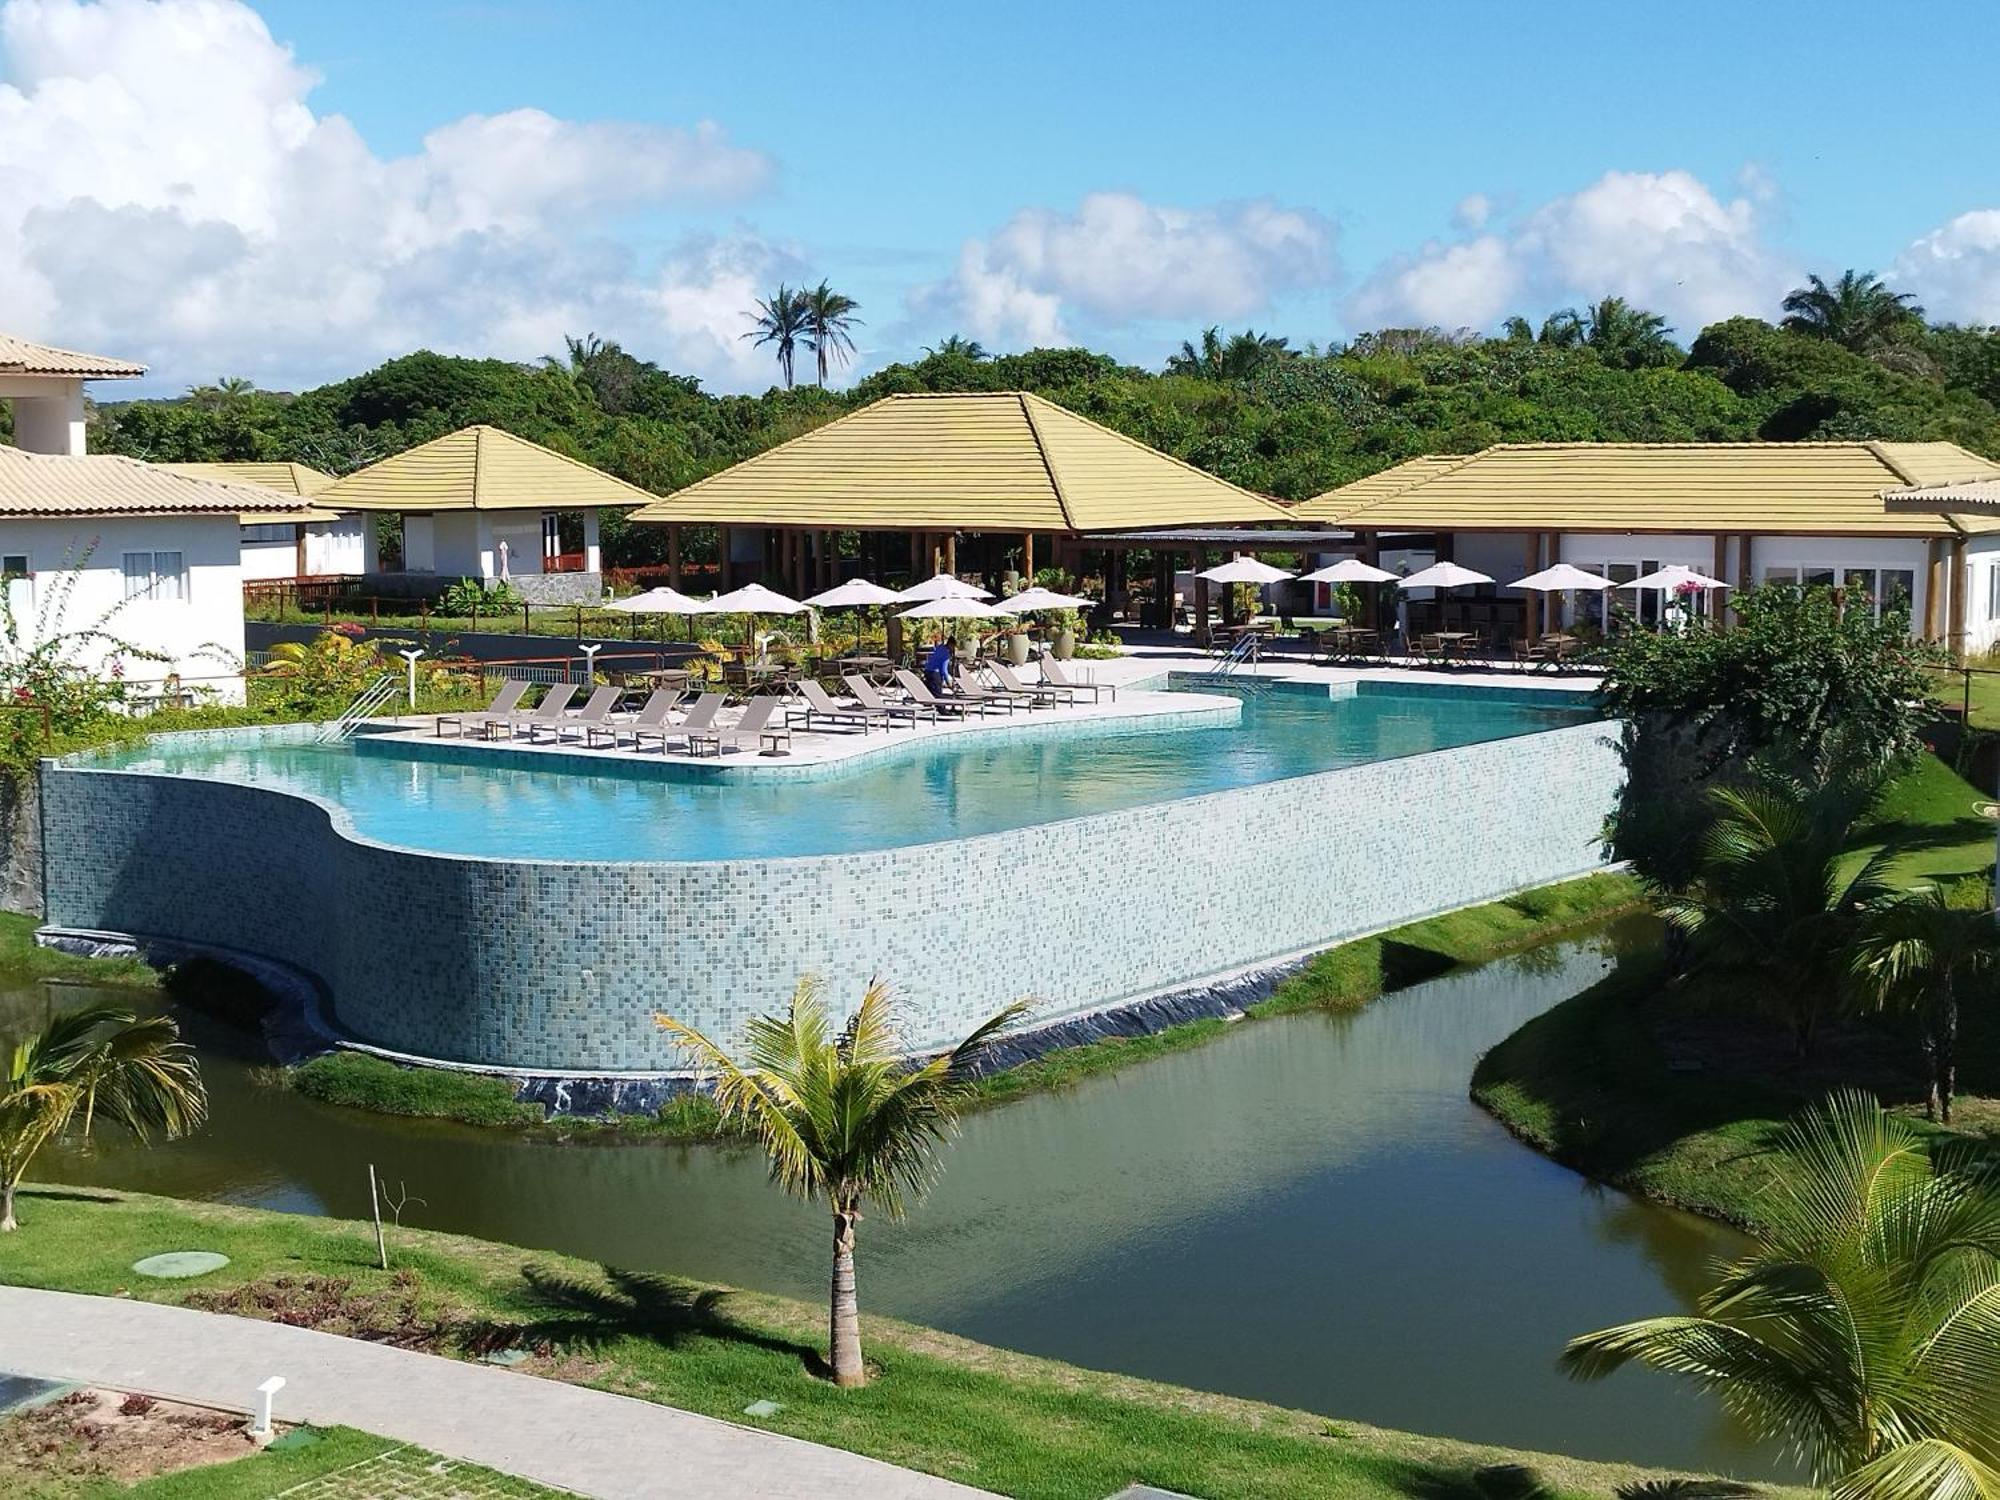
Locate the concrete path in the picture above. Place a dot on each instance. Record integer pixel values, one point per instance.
(587, 1441)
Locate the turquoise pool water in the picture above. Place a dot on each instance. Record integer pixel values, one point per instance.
(955, 788)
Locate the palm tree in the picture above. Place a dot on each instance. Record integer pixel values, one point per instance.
(952, 343)
(780, 319)
(1628, 336)
(828, 317)
(228, 393)
(1858, 311)
(1773, 899)
(1913, 953)
(845, 1119)
(1563, 329)
(1864, 1329)
(97, 1061)
(1237, 358)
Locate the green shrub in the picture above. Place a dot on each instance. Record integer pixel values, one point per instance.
(359, 1081)
(469, 596)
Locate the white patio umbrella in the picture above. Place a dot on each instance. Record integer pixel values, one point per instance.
(1673, 578)
(956, 609)
(942, 586)
(1565, 579)
(856, 594)
(753, 599)
(1348, 570)
(1444, 577)
(1244, 570)
(1030, 600)
(660, 601)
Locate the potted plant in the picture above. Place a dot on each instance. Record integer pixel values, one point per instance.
(1064, 625)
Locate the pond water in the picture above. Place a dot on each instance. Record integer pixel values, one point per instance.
(1307, 1211)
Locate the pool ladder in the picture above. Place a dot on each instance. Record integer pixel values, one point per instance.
(372, 697)
(1224, 670)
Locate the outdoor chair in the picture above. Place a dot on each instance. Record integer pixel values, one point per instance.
(504, 703)
(819, 704)
(596, 712)
(554, 701)
(970, 689)
(869, 696)
(1041, 694)
(756, 721)
(700, 720)
(1056, 674)
(918, 691)
(649, 721)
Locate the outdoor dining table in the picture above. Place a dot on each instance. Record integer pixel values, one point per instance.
(874, 668)
(1453, 643)
(1345, 642)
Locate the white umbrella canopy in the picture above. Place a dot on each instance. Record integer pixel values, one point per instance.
(1561, 578)
(942, 586)
(1040, 598)
(1244, 570)
(1348, 570)
(956, 609)
(1444, 575)
(1673, 577)
(751, 599)
(660, 601)
(856, 593)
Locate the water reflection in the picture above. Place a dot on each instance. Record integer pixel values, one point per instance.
(1307, 1211)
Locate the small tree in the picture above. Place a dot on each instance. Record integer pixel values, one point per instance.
(1917, 952)
(845, 1119)
(101, 1061)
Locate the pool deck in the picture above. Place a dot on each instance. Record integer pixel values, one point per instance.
(1132, 706)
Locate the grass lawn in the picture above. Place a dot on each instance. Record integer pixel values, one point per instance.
(1002, 1421)
(1931, 814)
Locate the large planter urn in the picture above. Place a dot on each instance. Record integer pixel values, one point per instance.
(1017, 648)
(1065, 644)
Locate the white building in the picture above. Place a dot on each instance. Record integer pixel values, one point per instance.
(281, 546)
(133, 568)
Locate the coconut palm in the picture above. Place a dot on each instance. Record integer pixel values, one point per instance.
(780, 320)
(98, 1062)
(828, 317)
(953, 343)
(1563, 329)
(1858, 311)
(1235, 358)
(1914, 953)
(1628, 336)
(844, 1118)
(1776, 896)
(1864, 1329)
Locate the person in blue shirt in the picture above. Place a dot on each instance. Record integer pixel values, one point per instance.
(937, 666)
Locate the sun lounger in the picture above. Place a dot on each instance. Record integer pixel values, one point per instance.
(918, 691)
(970, 690)
(700, 720)
(1036, 695)
(1055, 674)
(756, 720)
(820, 704)
(869, 696)
(596, 711)
(650, 720)
(554, 701)
(504, 703)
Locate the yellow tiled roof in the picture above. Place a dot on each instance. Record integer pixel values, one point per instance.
(53, 484)
(312, 514)
(974, 461)
(1377, 486)
(25, 357)
(1817, 489)
(285, 478)
(479, 468)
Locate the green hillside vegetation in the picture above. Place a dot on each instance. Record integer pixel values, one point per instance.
(1250, 407)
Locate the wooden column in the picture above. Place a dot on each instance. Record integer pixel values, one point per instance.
(673, 556)
(1934, 587)
(951, 553)
(722, 559)
(1532, 603)
(1955, 633)
(1028, 558)
(1200, 597)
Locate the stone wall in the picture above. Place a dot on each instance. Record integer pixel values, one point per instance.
(20, 847)
(518, 964)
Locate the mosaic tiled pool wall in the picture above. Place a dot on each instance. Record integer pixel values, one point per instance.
(561, 966)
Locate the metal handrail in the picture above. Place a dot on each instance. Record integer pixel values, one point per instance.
(372, 697)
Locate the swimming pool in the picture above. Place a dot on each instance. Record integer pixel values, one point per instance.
(482, 801)
(533, 919)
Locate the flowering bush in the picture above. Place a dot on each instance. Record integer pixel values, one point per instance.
(324, 675)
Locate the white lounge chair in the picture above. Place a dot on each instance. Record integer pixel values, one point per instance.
(554, 701)
(699, 721)
(1055, 674)
(504, 703)
(652, 716)
(970, 689)
(869, 696)
(819, 704)
(1043, 694)
(594, 713)
(918, 691)
(756, 720)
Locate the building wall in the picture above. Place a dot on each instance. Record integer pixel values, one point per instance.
(48, 413)
(561, 966)
(1982, 594)
(77, 579)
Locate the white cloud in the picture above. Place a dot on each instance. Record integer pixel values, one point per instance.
(167, 193)
(1955, 269)
(1659, 239)
(1119, 260)
(1472, 212)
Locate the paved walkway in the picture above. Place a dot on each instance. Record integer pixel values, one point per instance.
(587, 1441)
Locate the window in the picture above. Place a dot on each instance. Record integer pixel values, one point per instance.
(1993, 593)
(19, 582)
(159, 576)
(1878, 590)
(1782, 575)
(282, 532)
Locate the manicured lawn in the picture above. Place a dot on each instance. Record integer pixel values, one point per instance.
(1002, 1421)
(341, 1464)
(1931, 814)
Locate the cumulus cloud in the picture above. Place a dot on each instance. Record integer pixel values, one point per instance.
(1955, 269)
(1120, 260)
(167, 192)
(1659, 239)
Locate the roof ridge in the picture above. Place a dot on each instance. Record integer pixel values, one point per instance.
(1458, 461)
(1048, 464)
(1147, 448)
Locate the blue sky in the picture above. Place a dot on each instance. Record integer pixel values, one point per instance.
(1117, 175)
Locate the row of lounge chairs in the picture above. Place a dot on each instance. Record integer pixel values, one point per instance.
(767, 721)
